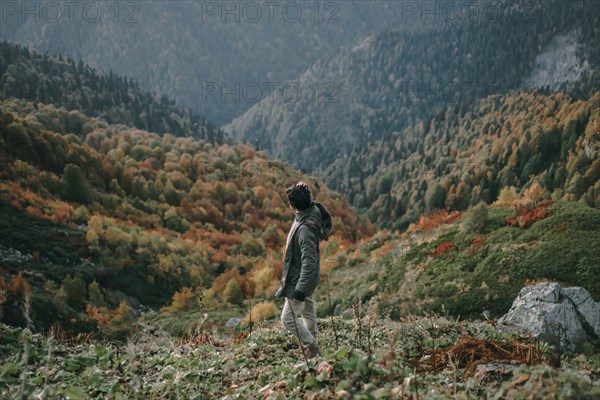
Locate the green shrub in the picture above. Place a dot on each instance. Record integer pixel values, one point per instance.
(74, 288)
(233, 292)
(81, 215)
(476, 218)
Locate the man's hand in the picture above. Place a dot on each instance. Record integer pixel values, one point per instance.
(298, 296)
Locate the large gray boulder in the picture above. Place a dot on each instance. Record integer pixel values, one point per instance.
(564, 317)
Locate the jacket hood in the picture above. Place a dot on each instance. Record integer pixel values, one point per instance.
(311, 212)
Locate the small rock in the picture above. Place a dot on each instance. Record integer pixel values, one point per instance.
(337, 310)
(494, 371)
(233, 322)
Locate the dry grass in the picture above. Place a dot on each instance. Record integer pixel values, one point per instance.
(469, 352)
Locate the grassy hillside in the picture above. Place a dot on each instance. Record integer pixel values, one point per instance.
(429, 358)
(119, 220)
(455, 270)
(456, 264)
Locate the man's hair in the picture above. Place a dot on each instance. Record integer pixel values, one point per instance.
(299, 196)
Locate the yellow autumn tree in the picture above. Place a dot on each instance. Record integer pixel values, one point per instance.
(262, 279)
(183, 299)
(95, 222)
(260, 312)
(115, 236)
(123, 314)
(535, 194)
(233, 292)
(508, 195)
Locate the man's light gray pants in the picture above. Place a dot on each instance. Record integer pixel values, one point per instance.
(306, 319)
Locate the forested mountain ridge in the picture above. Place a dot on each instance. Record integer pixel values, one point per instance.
(392, 79)
(182, 48)
(462, 156)
(124, 215)
(48, 79)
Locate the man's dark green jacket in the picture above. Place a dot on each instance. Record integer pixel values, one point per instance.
(301, 270)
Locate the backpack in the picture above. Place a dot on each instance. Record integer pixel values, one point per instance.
(325, 229)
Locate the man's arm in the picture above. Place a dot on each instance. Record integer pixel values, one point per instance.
(309, 258)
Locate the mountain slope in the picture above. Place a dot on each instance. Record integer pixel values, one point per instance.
(464, 155)
(452, 269)
(27, 75)
(142, 216)
(389, 80)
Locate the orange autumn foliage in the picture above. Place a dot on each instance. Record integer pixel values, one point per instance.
(475, 246)
(386, 249)
(224, 239)
(444, 248)
(222, 280)
(16, 205)
(33, 212)
(278, 269)
(19, 286)
(440, 217)
(527, 216)
(100, 314)
(56, 211)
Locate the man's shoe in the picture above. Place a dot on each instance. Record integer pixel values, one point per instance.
(314, 350)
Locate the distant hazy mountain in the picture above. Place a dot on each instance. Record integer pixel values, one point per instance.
(387, 81)
(27, 75)
(186, 49)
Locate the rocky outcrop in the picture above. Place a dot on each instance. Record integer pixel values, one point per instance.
(13, 255)
(565, 317)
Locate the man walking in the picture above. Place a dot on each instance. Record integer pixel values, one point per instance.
(301, 269)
